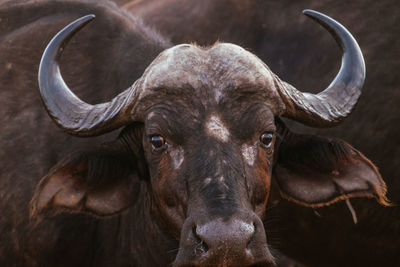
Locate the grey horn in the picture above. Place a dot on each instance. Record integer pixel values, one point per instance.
(336, 102)
(68, 111)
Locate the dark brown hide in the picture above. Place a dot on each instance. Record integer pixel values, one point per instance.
(106, 59)
(203, 22)
(213, 198)
(302, 54)
(121, 2)
(372, 128)
(77, 240)
(100, 182)
(315, 171)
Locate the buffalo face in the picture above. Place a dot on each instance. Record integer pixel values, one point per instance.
(203, 142)
(209, 144)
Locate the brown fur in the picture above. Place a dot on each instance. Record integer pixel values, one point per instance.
(31, 143)
(162, 200)
(304, 55)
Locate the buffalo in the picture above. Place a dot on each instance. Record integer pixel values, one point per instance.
(302, 53)
(188, 178)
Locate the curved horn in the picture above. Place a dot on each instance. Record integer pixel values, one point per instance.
(64, 107)
(336, 102)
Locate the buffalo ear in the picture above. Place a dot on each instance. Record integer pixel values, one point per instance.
(316, 171)
(100, 183)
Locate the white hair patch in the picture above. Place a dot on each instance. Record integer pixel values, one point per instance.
(218, 95)
(249, 154)
(216, 128)
(151, 115)
(221, 181)
(177, 156)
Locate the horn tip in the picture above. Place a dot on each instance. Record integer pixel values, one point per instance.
(82, 21)
(311, 13)
(91, 16)
(88, 18)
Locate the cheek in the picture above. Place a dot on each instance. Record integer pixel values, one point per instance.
(164, 180)
(262, 181)
(170, 195)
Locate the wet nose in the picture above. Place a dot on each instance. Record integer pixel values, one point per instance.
(220, 242)
(229, 237)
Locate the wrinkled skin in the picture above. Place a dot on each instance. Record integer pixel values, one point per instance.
(283, 39)
(130, 168)
(210, 197)
(284, 43)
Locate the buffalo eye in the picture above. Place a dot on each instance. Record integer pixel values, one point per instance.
(157, 142)
(266, 139)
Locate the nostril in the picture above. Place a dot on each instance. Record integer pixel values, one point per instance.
(201, 246)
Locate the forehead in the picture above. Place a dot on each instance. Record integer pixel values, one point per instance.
(213, 73)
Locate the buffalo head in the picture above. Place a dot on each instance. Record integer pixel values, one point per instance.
(202, 142)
